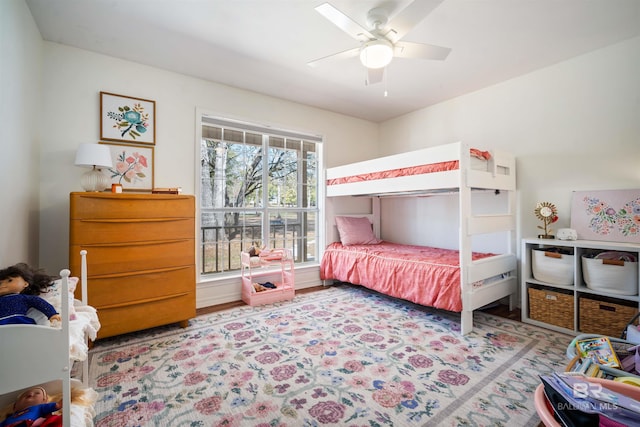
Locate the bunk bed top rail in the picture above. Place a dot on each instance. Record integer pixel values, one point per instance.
(437, 154)
(405, 173)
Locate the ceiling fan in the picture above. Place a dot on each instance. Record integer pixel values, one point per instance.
(383, 40)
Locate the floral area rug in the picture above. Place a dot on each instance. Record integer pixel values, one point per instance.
(342, 356)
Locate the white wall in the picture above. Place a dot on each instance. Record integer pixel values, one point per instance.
(572, 126)
(20, 65)
(72, 81)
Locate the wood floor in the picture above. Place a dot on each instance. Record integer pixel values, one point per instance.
(501, 310)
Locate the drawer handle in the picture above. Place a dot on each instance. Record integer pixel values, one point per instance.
(129, 244)
(613, 262)
(553, 255)
(550, 297)
(134, 220)
(138, 273)
(143, 301)
(607, 308)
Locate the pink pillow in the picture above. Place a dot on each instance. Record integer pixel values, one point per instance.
(355, 231)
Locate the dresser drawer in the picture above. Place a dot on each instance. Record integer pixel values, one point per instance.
(91, 231)
(117, 288)
(109, 205)
(108, 258)
(116, 320)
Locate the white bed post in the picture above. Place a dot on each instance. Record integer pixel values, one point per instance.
(464, 246)
(512, 245)
(85, 298)
(83, 276)
(65, 375)
(375, 211)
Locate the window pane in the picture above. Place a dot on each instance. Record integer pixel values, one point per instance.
(244, 175)
(310, 184)
(222, 244)
(283, 176)
(310, 236)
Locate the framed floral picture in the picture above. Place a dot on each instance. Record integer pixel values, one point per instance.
(611, 215)
(127, 119)
(132, 167)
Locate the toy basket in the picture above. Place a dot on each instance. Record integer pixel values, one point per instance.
(604, 316)
(552, 265)
(619, 345)
(615, 276)
(546, 410)
(551, 306)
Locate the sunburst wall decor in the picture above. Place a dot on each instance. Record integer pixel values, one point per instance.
(548, 214)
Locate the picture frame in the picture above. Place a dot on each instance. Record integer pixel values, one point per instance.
(133, 166)
(127, 119)
(608, 215)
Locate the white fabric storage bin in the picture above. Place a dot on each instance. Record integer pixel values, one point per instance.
(552, 267)
(602, 275)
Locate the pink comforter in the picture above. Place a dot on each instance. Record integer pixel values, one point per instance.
(423, 275)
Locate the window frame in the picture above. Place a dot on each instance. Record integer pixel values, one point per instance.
(268, 130)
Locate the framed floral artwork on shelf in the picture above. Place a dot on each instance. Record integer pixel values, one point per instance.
(127, 119)
(611, 215)
(132, 166)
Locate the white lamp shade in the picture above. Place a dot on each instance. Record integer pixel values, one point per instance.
(376, 54)
(94, 155)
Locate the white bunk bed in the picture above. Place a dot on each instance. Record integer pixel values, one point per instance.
(44, 355)
(456, 170)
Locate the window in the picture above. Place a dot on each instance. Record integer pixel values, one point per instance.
(259, 186)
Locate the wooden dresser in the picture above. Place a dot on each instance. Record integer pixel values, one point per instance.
(141, 258)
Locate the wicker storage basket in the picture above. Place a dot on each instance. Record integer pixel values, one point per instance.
(604, 317)
(614, 277)
(552, 267)
(551, 306)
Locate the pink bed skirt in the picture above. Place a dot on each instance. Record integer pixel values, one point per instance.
(423, 275)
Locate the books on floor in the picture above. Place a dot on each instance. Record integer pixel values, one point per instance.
(599, 350)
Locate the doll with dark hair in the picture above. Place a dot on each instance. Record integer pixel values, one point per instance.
(37, 279)
(20, 286)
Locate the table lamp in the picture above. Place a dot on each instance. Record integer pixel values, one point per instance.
(95, 156)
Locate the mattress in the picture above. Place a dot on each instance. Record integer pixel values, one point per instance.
(478, 162)
(424, 275)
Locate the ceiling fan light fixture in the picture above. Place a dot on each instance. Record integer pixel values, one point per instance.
(376, 54)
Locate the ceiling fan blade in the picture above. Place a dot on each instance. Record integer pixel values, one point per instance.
(343, 22)
(409, 17)
(411, 50)
(341, 55)
(374, 75)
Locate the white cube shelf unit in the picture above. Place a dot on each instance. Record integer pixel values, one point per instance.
(576, 308)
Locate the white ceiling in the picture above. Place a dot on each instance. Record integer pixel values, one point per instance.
(264, 45)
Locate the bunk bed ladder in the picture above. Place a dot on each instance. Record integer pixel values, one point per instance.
(471, 225)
